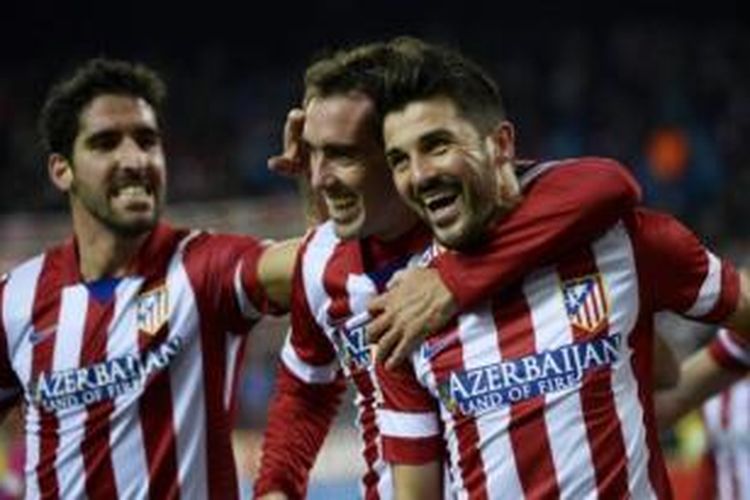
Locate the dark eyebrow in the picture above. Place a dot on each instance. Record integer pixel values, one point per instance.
(436, 136)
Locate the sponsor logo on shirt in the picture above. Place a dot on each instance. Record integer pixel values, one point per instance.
(351, 343)
(586, 302)
(152, 310)
(101, 381)
(37, 336)
(432, 346)
(489, 387)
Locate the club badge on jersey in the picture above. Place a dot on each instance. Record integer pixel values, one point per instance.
(586, 302)
(152, 310)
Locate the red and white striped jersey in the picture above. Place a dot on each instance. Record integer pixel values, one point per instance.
(335, 280)
(545, 390)
(726, 419)
(128, 383)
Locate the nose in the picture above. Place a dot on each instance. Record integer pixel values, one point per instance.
(130, 154)
(422, 171)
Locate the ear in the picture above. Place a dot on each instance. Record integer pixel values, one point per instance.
(502, 144)
(60, 171)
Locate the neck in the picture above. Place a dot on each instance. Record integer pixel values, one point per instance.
(102, 252)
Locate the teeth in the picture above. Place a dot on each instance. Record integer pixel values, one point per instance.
(133, 191)
(436, 201)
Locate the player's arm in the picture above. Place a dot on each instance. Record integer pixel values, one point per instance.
(309, 386)
(299, 417)
(275, 270)
(666, 365)
(739, 320)
(705, 373)
(563, 208)
(412, 441)
(418, 482)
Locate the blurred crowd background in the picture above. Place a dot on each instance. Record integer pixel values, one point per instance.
(666, 92)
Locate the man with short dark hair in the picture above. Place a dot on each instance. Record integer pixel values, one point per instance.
(545, 389)
(124, 341)
(346, 261)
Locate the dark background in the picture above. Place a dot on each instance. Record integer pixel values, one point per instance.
(579, 78)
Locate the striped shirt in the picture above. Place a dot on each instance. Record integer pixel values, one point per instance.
(335, 280)
(128, 383)
(545, 390)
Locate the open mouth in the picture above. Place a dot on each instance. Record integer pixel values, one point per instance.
(134, 196)
(440, 201)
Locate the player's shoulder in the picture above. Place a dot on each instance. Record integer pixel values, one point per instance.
(321, 240)
(568, 169)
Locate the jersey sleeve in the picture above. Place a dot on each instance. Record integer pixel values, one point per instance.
(299, 417)
(730, 351)
(569, 204)
(408, 417)
(680, 274)
(308, 391)
(224, 269)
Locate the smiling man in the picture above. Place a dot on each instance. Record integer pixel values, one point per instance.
(123, 341)
(545, 389)
(370, 235)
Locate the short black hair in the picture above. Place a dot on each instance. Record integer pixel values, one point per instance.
(60, 115)
(423, 70)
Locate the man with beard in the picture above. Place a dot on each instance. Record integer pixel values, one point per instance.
(371, 234)
(124, 341)
(545, 389)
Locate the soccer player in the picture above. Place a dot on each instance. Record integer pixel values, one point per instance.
(717, 373)
(125, 341)
(371, 234)
(544, 390)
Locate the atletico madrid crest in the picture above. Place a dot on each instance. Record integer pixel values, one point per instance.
(586, 302)
(153, 310)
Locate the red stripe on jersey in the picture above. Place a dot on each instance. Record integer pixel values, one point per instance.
(641, 345)
(340, 265)
(603, 428)
(44, 316)
(470, 460)
(527, 430)
(157, 426)
(97, 459)
(222, 479)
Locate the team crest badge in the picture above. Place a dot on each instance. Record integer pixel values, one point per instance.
(152, 310)
(586, 302)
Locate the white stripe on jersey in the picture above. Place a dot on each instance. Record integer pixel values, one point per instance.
(730, 445)
(306, 372)
(738, 352)
(563, 415)
(611, 251)
(18, 303)
(710, 290)
(317, 254)
(408, 425)
(126, 441)
(246, 305)
(69, 465)
(187, 372)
